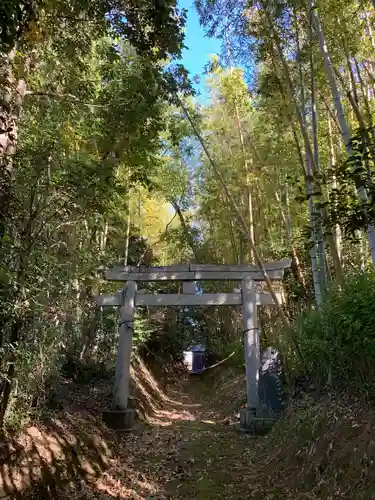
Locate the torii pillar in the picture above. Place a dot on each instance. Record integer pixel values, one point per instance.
(251, 344)
(120, 417)
(254, 419)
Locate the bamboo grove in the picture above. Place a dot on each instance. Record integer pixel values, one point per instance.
(298, 146)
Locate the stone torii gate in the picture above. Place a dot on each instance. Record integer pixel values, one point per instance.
(122, 417)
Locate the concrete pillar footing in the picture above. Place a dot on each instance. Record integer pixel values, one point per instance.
(119, 420)
(251, 422)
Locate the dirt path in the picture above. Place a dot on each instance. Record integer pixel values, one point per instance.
(184, 451)
(189, 449)
(199, 455)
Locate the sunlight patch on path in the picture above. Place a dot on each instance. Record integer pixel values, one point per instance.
(165, 418)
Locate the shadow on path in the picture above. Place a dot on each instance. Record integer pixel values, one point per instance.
(179, 453)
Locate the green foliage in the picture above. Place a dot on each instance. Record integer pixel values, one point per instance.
(154, 29)
(88, 137)
(346, 208)
(337, 340)
(15, 16)
(142, 328)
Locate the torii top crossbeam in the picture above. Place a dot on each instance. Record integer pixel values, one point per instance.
(197, 272)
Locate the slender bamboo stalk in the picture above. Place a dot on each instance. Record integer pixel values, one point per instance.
(288, 229)
(337, 229)
(344, 127)
(321, 257)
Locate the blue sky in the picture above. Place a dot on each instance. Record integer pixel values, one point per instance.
(199, 47)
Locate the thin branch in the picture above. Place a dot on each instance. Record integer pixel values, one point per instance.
(368, 72)
(140, 260)
(188, 236)
(75, 19)
(329, 110)
(220, 362)
(69, 98)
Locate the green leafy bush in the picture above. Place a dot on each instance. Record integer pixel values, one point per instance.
(337, 340)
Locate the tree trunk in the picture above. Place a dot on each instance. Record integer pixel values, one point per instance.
(188, 236)
(317, 253)
(233, 242)
(12, 94)
(104, 237)
(306, 139)
(7, 387)
(364, 90)
(313, 250)
(321, 256)
(240, 219)
(127, 238)
(354, 102)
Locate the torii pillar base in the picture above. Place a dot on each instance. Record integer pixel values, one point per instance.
(119, 420)
(253, 423)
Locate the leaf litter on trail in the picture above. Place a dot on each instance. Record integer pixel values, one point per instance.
(319, 450)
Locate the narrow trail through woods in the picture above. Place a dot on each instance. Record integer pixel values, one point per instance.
(204, 456)
(188, 446)
(187, 449)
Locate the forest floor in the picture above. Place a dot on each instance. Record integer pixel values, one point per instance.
(184, 450)
(189, 448)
